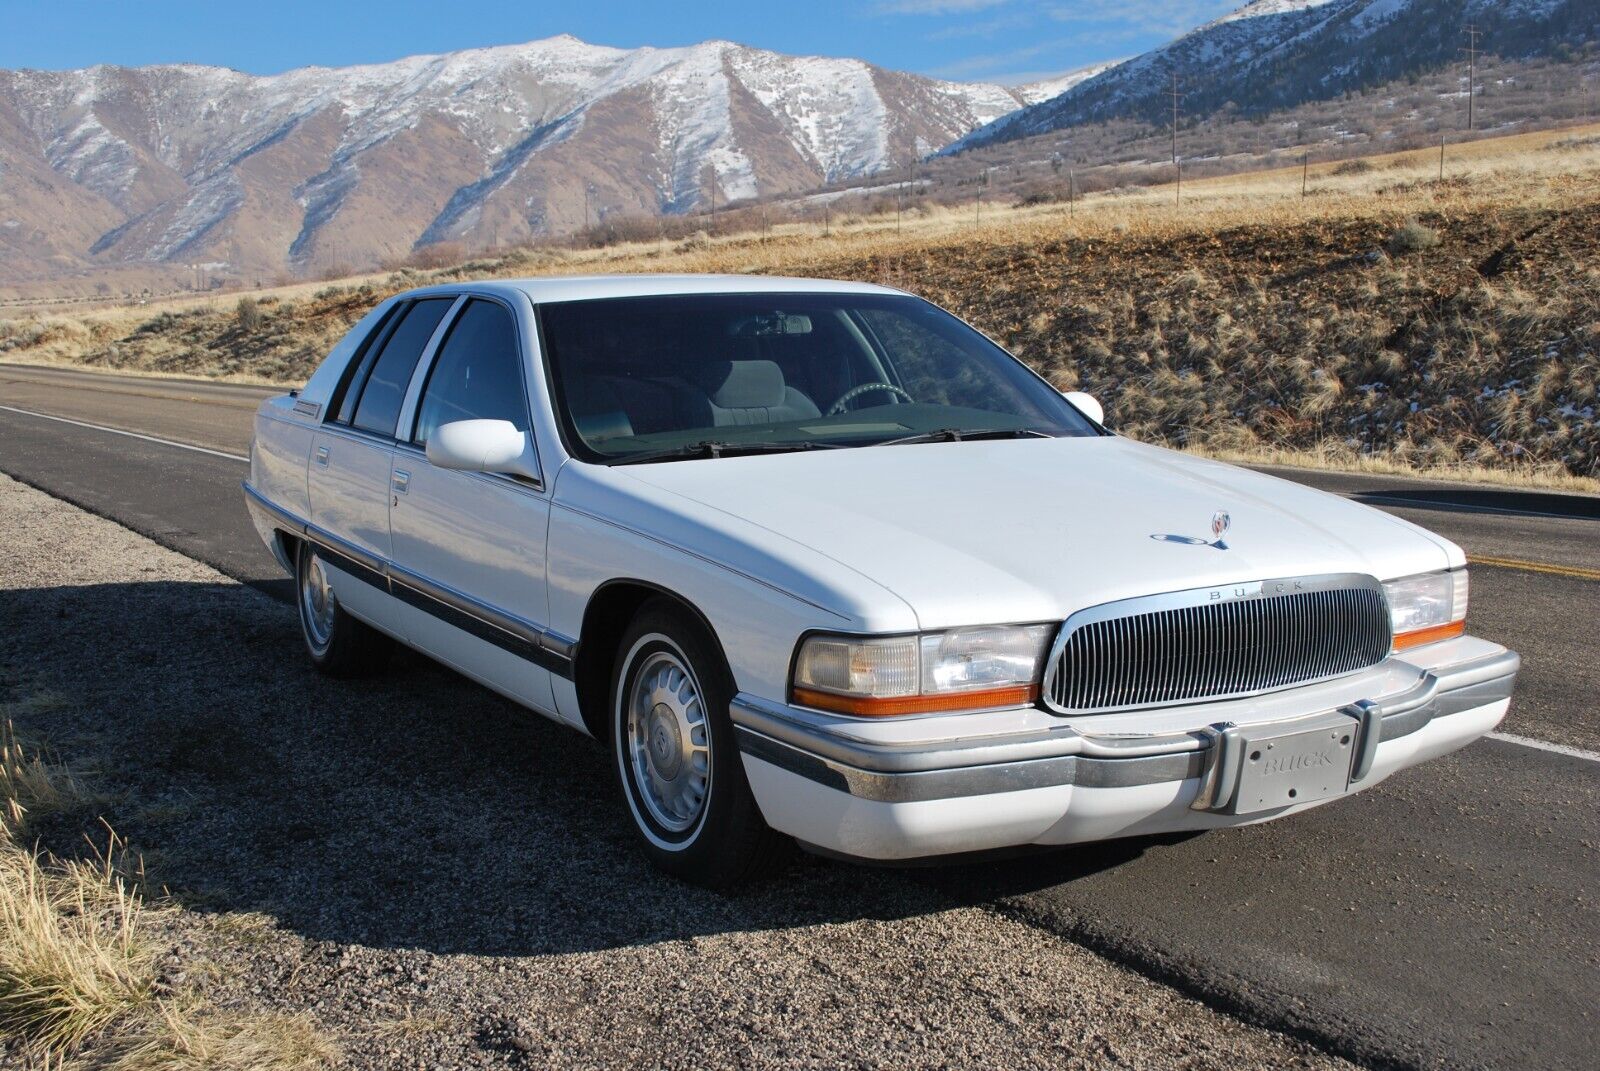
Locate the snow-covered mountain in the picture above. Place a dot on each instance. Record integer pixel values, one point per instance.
(1272, 54)
(349, 166)
(1050, 88)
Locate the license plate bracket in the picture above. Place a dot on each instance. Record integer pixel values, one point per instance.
(1279, 768)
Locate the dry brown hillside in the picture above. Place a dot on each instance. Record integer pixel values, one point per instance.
(1385, 315)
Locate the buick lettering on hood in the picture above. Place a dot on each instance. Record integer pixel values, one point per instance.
(818, 560)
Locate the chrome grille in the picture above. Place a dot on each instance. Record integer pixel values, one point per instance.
(1213, 643)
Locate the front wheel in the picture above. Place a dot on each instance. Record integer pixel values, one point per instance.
(338, 644)
(676, 756)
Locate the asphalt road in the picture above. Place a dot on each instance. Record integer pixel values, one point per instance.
(1448, 918)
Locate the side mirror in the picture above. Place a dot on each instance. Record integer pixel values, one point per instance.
(482, 446)
(1085, 404)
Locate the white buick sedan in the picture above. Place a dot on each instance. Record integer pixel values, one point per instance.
(818, 560)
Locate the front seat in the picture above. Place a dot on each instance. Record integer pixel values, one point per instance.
(596, 411)
(752, 392)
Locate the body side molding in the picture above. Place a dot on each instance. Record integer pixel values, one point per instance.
(523, 638)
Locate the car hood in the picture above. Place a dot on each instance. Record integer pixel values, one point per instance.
(1016, 530)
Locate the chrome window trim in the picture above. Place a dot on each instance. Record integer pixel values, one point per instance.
(1192, 597)
(422, 359)
(419, 380)
(419, 375)
(344, 431)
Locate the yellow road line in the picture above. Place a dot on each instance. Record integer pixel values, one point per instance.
(1536, 567)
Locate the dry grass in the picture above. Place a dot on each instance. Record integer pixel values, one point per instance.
(79, 982)
(1249, 319)
(31, 788)
(184, 1038)
(411, 1023)
(71, 958)
(1335, 458)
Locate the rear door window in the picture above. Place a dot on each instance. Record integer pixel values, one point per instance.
(378, 408)
(343, 404)
(478, 374)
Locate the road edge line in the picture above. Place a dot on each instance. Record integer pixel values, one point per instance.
(129, 434)
(1545, 745)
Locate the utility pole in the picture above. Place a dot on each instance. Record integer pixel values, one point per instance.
(1472, 50)
(900, 204)
(1177, 169)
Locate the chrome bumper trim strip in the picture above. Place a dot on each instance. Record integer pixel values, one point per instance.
(974, 767)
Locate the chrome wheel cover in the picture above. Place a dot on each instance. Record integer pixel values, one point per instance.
(317, 603)
(668, 750)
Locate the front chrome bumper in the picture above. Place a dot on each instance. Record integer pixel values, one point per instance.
(912, 771)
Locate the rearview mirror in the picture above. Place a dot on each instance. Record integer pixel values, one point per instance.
(483, 446)
(1085, 404)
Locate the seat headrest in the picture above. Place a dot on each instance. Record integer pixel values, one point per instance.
(743, 384)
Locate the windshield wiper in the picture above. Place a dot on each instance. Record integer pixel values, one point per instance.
(717, 448)
(955, 435)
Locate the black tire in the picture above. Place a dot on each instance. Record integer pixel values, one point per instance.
(338, 644)
(725, 842)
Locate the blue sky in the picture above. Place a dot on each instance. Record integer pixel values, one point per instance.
(1001, 40)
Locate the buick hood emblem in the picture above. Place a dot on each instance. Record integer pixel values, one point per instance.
(1221, 521)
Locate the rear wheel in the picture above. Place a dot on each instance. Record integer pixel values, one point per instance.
(675, 753)
(338, 644)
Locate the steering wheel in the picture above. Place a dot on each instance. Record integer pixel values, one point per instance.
(855, 392)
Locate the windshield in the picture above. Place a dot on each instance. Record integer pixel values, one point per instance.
(658, 378)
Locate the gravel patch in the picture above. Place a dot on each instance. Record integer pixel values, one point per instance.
(440, 880)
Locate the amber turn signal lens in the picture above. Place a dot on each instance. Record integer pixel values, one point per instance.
(1405, 640)
(1012, 696)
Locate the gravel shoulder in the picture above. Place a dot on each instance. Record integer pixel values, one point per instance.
(438, 879)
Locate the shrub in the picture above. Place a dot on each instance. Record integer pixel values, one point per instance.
(1354, 167)
(250, 315)
(1414, 237)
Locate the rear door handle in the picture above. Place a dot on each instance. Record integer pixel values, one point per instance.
(322, 456)
(401, 479)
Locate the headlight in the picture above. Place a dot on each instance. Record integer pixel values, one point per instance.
(1426, 608)
(960, 669)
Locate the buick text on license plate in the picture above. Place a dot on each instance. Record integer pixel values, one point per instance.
(1288, 769)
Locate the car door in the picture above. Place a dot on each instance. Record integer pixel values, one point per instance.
(469, 547)
(349, 476)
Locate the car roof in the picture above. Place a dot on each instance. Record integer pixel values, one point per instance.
(554, 288)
